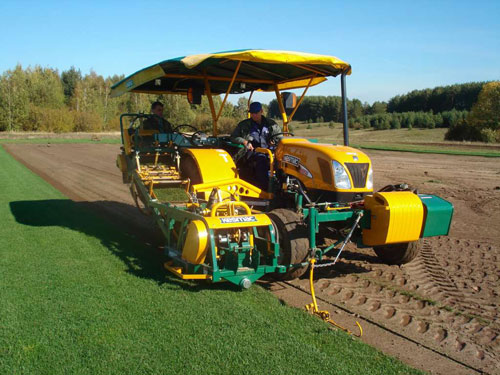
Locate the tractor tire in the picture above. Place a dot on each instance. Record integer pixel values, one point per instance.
(400, 253)
(139, 200)
(292, 236)
(189, 169)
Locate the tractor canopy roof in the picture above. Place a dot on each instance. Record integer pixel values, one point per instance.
(237, 71)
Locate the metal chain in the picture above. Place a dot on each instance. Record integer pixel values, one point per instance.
(347, 239)
(325, 264)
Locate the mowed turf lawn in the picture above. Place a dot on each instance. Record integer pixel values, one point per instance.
(414, 140)
(78, 296)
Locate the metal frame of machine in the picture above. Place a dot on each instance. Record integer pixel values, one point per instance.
(228, 229)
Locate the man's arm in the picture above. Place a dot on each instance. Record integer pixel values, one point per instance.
(237, 136)
(275, 129)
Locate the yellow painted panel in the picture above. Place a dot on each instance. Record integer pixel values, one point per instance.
(270, 57)
(137, 79)
(213, 164)
(308, 154)
(121, 163)
(127, 143)
(233, 186)
(177, 271)
(195, 247)
(396, 217)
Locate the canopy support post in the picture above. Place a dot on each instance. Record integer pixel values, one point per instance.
(208, 92)
(344, 109)
(248, 103)
(229, 89)
(282, 108)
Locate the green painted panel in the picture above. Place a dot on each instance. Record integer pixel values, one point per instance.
(437, 215)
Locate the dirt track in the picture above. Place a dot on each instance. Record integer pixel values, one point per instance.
(446, 302)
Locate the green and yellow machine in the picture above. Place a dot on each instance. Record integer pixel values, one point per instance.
(320, 196)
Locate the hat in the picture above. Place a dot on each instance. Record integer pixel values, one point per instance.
(255, 107)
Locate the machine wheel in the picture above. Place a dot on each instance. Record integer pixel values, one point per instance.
(294, 244)
(399, 253)
(189, 169)
(139, 200)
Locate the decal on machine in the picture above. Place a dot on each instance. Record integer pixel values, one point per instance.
(291, 160)
(238, 219)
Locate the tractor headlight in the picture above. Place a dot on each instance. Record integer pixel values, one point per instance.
(341, 177)
(369, 180)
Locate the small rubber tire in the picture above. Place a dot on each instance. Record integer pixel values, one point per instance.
(399, 253)
(291, 233)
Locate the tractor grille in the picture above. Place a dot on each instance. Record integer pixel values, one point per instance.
(358, 173)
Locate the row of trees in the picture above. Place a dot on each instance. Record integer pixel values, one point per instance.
(439, 99)
(41, 99)
(410, 120)
(469, 111)
(483, 122)
(459, 97)
(328, 108)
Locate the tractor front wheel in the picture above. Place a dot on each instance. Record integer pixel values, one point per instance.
(399, 253)
(294, 244)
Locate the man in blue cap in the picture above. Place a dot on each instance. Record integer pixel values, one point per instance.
(257, 131)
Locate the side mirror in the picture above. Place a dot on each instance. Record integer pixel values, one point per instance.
(194, 95)
(289, 100)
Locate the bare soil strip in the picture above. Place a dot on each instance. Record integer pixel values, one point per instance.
(447, 300)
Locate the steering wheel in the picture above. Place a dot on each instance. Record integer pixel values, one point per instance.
(187, 136)
(272, 138)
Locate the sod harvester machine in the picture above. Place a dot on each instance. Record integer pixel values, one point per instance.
(320, 196)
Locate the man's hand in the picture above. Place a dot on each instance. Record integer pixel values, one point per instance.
(248, 145)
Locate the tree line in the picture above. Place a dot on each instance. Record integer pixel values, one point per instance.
(460, 97)
(459, 107)
(420, 119)
(42, 99)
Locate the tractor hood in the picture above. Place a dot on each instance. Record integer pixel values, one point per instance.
(312, 163)
(302, 148)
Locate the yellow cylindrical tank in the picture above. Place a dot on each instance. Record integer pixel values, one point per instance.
(395, 217)
(195, 246)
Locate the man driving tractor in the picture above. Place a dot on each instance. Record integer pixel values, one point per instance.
(156, 121)
(256, 131)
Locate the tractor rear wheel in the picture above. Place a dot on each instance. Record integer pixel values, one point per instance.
(399, 253)
(291, 233)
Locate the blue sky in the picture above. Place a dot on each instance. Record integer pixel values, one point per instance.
(393, 46)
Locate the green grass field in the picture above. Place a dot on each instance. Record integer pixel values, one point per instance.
(414, 140)
(79, 296)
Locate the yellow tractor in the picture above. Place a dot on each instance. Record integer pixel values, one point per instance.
(218, 226)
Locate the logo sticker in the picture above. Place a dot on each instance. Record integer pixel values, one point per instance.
(237, 219)
(291, 160)
(129, 84)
